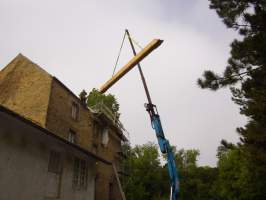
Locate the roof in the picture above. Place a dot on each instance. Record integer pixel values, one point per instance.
(51, 135)
(25, 89)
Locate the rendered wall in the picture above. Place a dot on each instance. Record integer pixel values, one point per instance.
(24, 170)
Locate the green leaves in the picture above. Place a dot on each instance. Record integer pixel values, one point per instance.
(210, 80)
(242, 168)
(149, 179)
(234, 177)
(95, 97)
(146, 175)
(249, 18)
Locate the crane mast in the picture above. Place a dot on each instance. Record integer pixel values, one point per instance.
(164, 144)
(157, 126)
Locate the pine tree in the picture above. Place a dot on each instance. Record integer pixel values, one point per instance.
(246, 76)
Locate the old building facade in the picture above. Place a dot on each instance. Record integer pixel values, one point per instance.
(75, 161)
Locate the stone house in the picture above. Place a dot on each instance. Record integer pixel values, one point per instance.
(52, 146)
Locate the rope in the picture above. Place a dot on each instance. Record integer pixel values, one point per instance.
(136, 43)
(119, 53)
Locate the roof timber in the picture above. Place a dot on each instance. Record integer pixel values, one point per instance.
(132, 63)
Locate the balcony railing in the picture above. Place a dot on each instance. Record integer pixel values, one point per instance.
(102, 108)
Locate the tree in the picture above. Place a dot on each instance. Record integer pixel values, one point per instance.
(195, 182)
(145, 180)
(149, 179)
(95, 97)
(246, 74)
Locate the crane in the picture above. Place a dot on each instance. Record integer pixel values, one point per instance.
(164, 144)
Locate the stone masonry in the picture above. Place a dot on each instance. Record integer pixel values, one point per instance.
(36, 95)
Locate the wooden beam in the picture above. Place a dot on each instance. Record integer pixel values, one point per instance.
(132, 63)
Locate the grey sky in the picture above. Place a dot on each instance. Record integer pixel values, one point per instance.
(78, 41)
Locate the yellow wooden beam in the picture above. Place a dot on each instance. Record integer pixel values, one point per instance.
(132, 63)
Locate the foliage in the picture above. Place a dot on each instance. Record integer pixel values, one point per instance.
(145, 173)
(108, 100)
(246, 74)
(195, 182)
(249, 19)
(148, 179)
(233, 180)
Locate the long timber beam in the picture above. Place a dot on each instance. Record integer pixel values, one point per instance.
(132, 63)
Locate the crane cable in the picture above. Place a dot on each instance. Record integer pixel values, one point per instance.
(120, 50)
(135, 42)
(119, 53)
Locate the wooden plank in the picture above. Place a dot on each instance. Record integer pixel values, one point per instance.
(119, 183)
(132, 63)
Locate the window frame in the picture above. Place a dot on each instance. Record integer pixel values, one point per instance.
(75, 111)
(72, 136)
(55, 162)
(80, 174)
(105, 136)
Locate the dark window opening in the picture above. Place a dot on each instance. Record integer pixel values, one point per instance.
(75, 111)
(80, 175)
(55, 162)
(72, 136)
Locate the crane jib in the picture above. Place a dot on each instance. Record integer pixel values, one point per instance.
(164, 145)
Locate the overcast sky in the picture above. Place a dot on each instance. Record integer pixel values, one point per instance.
(78, 41)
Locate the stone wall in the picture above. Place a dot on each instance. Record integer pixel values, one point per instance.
(89, 136)
(25, 89)
(106, 184)
(60, 121)
(31, 92)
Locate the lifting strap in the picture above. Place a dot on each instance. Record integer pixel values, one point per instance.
(120, 50)
(119, 53)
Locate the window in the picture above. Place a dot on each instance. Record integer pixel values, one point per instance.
(80, 174)
(105, 137)
(75, 111)
(55, 164)
(95, 131)
(95, 148)
(72, 136)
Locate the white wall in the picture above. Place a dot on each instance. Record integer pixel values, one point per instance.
(24, 158)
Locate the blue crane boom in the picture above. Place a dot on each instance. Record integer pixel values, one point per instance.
(165, 149)
(164, 144)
